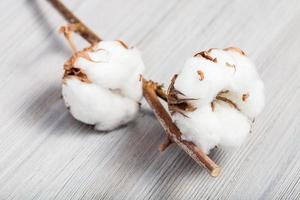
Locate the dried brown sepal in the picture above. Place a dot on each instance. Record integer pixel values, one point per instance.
(213, 106)
(161, 92)
(236, 50)
(92, 48)
(223, 92)
(123, 44)
(77, 73)
(206, 55)
(174, 109)
(211, 49)
(71, 70)
(84, 53)
(176, 104)
(178, 92)
(180, 100)
(245, 96)
(230, 102)
(201, 75)
(231, 65)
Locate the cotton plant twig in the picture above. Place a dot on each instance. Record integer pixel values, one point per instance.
(67, 31)
(173, 132)
(152, 92)
(83, 30)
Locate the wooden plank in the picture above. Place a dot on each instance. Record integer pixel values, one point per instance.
(46, 154)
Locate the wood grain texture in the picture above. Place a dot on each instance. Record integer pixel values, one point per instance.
(46, 154)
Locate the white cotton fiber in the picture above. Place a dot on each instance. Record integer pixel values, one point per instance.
(227, 94)
(188, 82)
(200, 127)
(109, 94)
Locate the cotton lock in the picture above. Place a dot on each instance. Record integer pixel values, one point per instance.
(101, 84)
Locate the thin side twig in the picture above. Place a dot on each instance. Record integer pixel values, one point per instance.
(84, 31)
(165, 144)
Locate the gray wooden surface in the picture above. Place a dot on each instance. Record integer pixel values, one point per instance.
(46, 154)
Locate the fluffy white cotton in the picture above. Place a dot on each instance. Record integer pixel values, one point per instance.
(225, 127)
(200, 127)
(214, 80)
(228, 93)
(110, 93)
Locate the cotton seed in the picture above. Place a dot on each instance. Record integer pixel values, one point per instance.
(201, 74)
(245, 96)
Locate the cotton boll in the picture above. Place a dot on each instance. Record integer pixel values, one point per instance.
(225, 92)
(101, 85)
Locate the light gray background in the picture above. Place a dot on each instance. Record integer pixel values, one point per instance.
(46, 154)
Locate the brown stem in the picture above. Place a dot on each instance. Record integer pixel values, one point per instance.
(151, 92)
(67, 31)
(165, 145)
(84, 31)
(173, 132)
